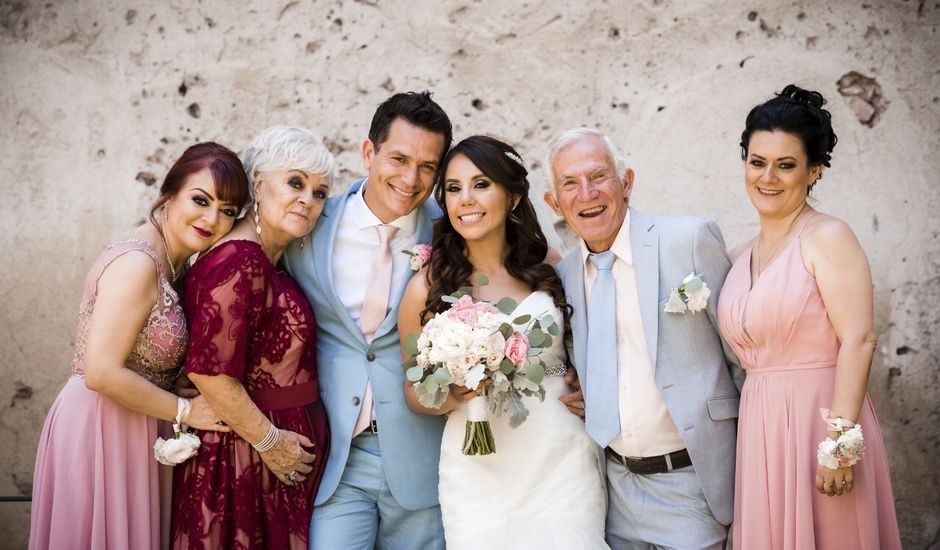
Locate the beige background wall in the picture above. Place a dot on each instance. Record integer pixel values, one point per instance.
(97, 98)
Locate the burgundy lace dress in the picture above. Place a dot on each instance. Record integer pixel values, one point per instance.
(96, 484)
(250, 321)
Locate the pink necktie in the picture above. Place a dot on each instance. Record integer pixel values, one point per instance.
(374, 309)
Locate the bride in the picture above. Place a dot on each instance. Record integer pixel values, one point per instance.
(544, 485)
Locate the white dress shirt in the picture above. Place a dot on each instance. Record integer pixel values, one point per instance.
(647, 429)
(354, 248)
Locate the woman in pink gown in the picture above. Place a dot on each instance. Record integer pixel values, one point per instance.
(252, 353)
(796, 308)
(96, 483)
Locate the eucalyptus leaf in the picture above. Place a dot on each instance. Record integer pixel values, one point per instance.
(547, 342)
(535, 372)
(410, 343)
(482, 280)
(693, 285)
(506, 330)
(442, 376)
(506, 366)
(448, 299)
(411, 362)
(553, 329)
(533, 352)
(506, 305)
(414, 374)
(536, 338)
(522, 319)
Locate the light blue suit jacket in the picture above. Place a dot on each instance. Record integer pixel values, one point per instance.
(410, 442)
(698, 377)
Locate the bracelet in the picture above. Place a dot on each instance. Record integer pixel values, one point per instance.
(269, 440)
(847, 449)
(183, 407)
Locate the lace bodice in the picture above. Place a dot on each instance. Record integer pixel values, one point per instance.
(161, 344)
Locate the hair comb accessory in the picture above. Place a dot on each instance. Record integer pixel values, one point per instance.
(514, 157)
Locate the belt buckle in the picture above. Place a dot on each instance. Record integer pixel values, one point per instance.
(373, 427)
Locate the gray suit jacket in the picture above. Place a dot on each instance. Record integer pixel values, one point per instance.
(411, 443)
(697, 375)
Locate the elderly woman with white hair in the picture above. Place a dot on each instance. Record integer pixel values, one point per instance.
(252, 354)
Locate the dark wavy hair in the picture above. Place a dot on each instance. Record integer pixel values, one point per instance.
(799, 112)
(231, 183)
(418, 109)
(449, 267)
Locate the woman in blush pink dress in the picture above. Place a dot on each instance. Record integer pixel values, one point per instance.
(252, 353)
(96, 483)
(796, 308)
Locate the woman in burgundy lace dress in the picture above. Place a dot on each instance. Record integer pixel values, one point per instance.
(252, 354)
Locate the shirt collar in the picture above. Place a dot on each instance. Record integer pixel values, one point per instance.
(406, 224)
(621, 247)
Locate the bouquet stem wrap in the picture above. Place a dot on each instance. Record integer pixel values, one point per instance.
(478, 437)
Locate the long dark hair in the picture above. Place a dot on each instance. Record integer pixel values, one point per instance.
(449, 267)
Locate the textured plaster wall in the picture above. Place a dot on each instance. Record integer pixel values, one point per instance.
(97, 98)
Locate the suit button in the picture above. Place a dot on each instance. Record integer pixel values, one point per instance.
(370, 356)
(355, 400)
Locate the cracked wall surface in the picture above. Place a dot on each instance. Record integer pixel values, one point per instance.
(97, 98)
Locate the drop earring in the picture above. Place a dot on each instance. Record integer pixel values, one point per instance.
(257, 220)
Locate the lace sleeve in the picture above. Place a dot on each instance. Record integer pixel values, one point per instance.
(225, 293)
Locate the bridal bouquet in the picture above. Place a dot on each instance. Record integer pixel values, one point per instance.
(476, 345)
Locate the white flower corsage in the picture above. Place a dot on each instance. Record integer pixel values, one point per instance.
(420, 254)
(847, 449)
(183, 445)
(692, 295)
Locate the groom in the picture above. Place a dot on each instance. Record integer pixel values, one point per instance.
(658, 390)
(380, 485)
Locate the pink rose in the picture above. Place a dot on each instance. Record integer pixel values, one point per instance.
(423, 251)
(463, 310)
(517, 346)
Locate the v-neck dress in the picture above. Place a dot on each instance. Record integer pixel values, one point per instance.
(780, 330)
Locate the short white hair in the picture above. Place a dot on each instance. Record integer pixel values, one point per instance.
(570, 137)
(287, 148)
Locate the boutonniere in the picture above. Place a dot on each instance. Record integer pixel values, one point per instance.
(420, 254)
(692, 295)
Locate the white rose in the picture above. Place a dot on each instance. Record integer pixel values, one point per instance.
(824, 454)
(699, 299)
(415, 262)
(176, 449)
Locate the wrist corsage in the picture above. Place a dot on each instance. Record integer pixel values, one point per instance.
(692, 295)
(420, 254)
(183, 444)
(847, 449)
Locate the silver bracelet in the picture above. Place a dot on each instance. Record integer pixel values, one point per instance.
(269, 440)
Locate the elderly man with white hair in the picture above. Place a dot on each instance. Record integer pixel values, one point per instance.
(659, 387)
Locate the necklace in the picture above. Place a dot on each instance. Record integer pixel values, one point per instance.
(777, 245)
(166, 251)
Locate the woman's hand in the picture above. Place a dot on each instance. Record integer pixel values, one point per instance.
(202, 417)
(288, 460)
(463, 395)
(835, 482)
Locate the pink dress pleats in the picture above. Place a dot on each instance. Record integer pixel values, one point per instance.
(96, 484)
(781, 333)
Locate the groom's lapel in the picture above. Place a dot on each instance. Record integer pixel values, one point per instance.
(574, 289)
(644, 238)
(325, 241)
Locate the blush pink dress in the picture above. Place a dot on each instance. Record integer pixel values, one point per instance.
(96, 483)
(779, 329)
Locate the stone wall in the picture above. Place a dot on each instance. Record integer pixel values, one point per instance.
(97, 98)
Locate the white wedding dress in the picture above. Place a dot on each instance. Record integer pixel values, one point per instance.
(543, 488)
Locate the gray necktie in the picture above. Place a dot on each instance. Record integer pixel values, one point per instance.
(602, 413)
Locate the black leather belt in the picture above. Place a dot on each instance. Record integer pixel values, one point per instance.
(653, 464)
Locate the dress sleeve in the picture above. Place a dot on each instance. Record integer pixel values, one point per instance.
(225, 292)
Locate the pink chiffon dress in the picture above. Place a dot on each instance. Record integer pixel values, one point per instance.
(96, 483)
(779, 329)
(250, 321)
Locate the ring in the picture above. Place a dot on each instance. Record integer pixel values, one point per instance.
(292, 476)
